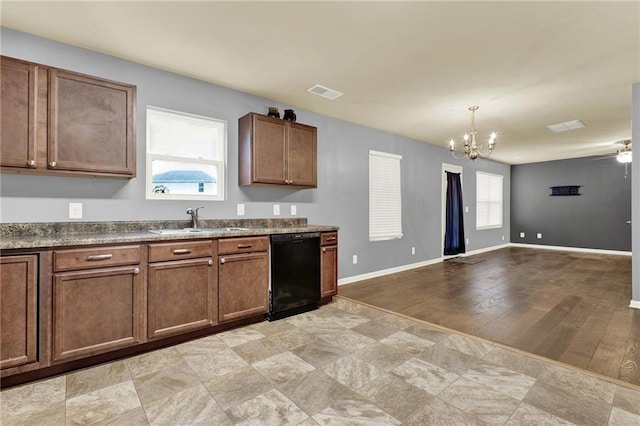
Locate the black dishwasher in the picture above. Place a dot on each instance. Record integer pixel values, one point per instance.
(295, 274)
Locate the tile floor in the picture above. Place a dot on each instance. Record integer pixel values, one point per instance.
(342, 364)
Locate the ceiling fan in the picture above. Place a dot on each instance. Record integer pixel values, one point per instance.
(624, 154)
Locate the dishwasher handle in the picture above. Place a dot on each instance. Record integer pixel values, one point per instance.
(287, 238)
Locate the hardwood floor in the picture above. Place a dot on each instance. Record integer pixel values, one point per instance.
(571, 307)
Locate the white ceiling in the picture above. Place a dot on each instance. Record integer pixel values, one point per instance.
(410, 68)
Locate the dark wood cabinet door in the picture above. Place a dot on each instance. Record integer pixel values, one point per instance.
(91, 125)
(18, 113)
(301, 155)
(18, 310)
(329, 268)
(243, 281)
(268, 150)
(182, 296)
(95, 311)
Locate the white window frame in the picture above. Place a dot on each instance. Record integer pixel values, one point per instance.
(220, 163)
(385, 196)
(489, 197)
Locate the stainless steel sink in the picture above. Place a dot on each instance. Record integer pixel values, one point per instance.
(188, 231)
(181, 231)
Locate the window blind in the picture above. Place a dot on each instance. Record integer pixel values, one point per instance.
(385, 196)
(488, 200)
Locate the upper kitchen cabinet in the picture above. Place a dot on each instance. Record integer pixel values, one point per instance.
(18, 113)
(60, 122)
(274, 152)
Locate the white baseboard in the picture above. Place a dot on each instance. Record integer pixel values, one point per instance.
(635, 304)
(388, 271)
(383, 272)
(584, 250)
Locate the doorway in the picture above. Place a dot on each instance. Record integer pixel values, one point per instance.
(458, 170)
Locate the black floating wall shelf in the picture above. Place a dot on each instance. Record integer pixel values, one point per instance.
(565, 190)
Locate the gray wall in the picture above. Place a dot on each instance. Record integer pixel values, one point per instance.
(596, 219)
(341, 198)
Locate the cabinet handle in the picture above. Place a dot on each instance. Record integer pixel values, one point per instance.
(210, 262)
(136, 271)
(324, 250)
(331, 238)
(31, 163)
(244, 246)
(181, 251)
(52, 164)
(99, 257)
(222, 260)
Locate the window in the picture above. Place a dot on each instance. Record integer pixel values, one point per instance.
(185, 156)
(488, 200)
(385, 201)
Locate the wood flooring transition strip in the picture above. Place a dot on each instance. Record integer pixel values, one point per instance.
(496, 344)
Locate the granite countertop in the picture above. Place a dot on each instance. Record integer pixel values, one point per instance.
(66, 234)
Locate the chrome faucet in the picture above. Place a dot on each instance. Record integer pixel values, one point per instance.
(193, 211)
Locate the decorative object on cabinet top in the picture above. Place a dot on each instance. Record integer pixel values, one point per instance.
(273, 112)
(289, 115)
(59, 234)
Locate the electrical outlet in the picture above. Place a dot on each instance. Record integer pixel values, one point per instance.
(276, 209)
(522, 235)
(413, 250)
(294, 210)
(539, 235)
(466, 209)
(75, 210)
(503, 238)
(240, 210)
(467, 241)
(355, 259)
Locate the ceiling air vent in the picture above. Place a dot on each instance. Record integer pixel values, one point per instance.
(567, 125)
(325, 92)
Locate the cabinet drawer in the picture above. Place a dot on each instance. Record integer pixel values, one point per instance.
(243, 245)
(99, 257)
(329, 239)
(184, 250)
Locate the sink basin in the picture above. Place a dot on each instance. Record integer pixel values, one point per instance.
(180, 231)
(188, 231)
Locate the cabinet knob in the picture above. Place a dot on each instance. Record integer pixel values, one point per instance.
(222, 260)
(210, 262)
(52, 164)
(136, 271)
(31, 163)
(324, 250)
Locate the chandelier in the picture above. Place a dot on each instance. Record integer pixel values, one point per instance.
(471, 149)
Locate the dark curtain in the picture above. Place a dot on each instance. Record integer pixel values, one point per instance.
(454, 228)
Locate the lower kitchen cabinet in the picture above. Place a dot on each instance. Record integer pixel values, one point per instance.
(243, 278)
(329, 264)
(96, 311)
(18, 310)
(182, 296)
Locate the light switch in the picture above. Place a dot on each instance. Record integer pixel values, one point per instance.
(294, 210)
